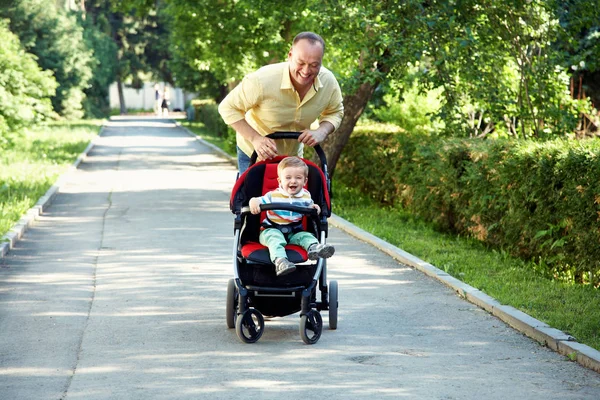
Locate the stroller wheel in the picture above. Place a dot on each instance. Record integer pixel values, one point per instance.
(333, 304)
(250, 326)
(311, 325)
(232, 300)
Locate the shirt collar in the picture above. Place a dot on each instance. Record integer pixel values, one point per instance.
(298, 195)
(286, 81)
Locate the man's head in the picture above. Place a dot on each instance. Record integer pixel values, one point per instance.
(305, 58)
(292, 174)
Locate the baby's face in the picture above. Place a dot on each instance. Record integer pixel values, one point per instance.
(292, 180)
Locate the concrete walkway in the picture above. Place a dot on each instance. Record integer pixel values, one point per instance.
(118, 292)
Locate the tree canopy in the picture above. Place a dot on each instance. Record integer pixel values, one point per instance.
(513, 69)
(25, 89)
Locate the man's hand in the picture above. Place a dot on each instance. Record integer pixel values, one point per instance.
(313, 138)
(254, 205)
(265, 148)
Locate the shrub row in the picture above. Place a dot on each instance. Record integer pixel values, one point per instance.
(539, 201)
(206, 111)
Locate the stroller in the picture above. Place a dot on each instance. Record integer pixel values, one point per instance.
(255, 290)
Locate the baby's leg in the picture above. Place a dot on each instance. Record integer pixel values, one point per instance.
(275, 241)
(303, 239)
(311, 244)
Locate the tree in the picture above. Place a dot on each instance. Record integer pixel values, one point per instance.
(222, 41)
(496, 61)
(25, 89)
(57, 41)
(140, 39)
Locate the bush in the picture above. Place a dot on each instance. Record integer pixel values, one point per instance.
(25, 89)
(540, 201)
(206, 111)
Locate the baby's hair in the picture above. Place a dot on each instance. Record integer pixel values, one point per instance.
(294, 162)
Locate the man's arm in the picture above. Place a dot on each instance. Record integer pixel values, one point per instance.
(330, 119)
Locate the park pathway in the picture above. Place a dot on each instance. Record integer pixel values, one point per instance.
(118, 292)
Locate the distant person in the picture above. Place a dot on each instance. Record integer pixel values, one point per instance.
(157, 99)
(288, 96)
(165, 102)
(281, 226)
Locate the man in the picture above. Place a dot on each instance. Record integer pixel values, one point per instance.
(288, 96)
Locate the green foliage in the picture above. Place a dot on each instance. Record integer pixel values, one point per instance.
(539, 201)
(410, 109)
(231, 39)
(25, 89)
(57, 41)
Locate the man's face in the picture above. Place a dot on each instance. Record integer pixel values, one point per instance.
(305, 62)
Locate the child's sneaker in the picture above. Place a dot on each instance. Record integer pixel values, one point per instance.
(317, 250)
(283, 266)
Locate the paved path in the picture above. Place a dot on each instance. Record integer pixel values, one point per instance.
(118, 292)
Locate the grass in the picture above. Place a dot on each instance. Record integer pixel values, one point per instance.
(33, 160)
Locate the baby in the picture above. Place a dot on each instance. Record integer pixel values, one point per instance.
(281, 227)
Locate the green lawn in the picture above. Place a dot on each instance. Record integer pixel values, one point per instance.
(32, 162)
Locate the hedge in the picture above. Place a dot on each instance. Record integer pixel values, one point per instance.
(538, 201)
(206, 111)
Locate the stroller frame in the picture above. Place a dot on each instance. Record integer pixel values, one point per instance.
(249, 298)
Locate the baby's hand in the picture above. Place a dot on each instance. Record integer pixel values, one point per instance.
(254, 205)
(317, 207)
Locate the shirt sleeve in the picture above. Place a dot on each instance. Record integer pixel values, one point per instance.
(334, 111)
(266, 199)
(241, 99)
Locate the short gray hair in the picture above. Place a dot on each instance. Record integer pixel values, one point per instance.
(312, 37)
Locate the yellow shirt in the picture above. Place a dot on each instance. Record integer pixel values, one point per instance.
(268, 101)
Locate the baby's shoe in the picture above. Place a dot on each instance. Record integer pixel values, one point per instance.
(317, 250)
(283, 266)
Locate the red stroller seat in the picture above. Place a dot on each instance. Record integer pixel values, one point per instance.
(260, 179)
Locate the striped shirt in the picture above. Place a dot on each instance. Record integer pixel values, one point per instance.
(285, 217)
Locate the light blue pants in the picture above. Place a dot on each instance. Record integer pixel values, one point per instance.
(243, 161)
(275, 241)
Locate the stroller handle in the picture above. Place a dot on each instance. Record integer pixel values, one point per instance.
(294, 135)
(284, 206)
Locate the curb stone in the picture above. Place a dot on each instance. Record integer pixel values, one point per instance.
(8, 241)
(554, 339)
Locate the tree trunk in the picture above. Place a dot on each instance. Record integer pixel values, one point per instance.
(354, 105)
(121, 97)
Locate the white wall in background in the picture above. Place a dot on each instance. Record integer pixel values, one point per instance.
(144, 97)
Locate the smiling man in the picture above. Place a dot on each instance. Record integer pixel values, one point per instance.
(298, 95)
